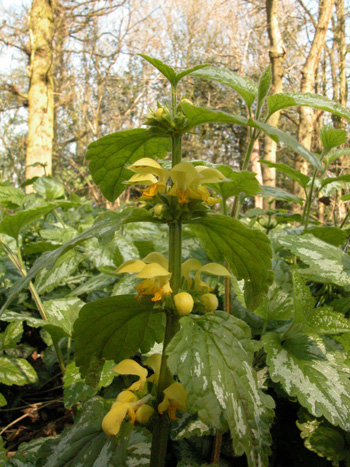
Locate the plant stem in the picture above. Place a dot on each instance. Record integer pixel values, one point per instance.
(160, 433)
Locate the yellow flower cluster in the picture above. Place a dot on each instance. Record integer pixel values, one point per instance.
(129, 404)
(187, 180)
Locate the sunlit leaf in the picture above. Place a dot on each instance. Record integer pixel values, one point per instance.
(11, 197)
(332, 137)
(49, 188)
(16, 371)
(240, 182)
(264, 85)
(294, 174)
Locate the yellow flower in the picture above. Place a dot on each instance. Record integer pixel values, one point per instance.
(155, 274)
(210, 301)
(112, 421)
(174, 399)
(144, 413)
(130, 367)
(154, 361)
(183, 303)
(188, 180)
(148, 172)
(193, 265)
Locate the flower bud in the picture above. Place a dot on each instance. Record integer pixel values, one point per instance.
(144, 413)
(126, 396)
(210, 301)
(159, 210)
(159, 112)
(183, 303)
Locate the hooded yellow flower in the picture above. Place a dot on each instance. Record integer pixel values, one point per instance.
(193, 265)
(149, 173)
(130, 367)
(174, 399)
(154, 361)
(188, 180)
(155, 274)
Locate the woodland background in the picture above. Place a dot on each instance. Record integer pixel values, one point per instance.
(71, 74)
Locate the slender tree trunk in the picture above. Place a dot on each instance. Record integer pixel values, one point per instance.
(308, 75)
(256, 168)
(40, 97)
(277, 53)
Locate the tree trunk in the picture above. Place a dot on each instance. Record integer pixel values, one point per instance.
(308, 75)
(277, 53)
(40, 97)
(256, 168)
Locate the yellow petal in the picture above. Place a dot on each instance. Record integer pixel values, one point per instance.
(130, 367)
(144, 413)
(189, 266)
(145, 162)
(142, 179)
(153, 270)
(113, 419)
(210, 301)
(131, 266)
(176, 394)
(163, 406)
(154, 361)
(127, 396)
(210, 175)
(183, 174)
(156, 257)
(214, 269)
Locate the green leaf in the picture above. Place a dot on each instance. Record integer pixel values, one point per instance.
(200, 115)
(109, 157)
(115, 328)
(16, 371)
(66, 265)
(212, 355)
(75, 388)
(327, 321)
(332, 235)
(332, 156)
(280, 136)
(327, 263)
(309, 371)
(332, 137)
(12, 335)
(166, 70)
(99, 282)
(27, 453)
(247, 251)
(189, 71)
(3, 401)
(12, 225)
(324, 439)
(245, 87)
(294, 174)
(106, 224)
(264, 85)
(285, 100)
(277, 193)
(242, 182)
(85, 444)
(49, 188)
(340, 178)
(304, 302)
(11, 197)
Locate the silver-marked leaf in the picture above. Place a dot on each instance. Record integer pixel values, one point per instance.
(327, 321)
(114, 328)
(334, 155)
(212, 355)
(12, 335)
(16, 371)
(111, 155)
(11, 197)
(332, 137)
(277, 193)
(341, 178)
(66, 265)
(61, 314)
(310, 371)
(245, 87)
(98, 282)
(84, 444)
(188, 426)
(332, 235)
(285, 100)
(75, 388)
(326, 263)
(247, 251)
(294, 174)
(277, 305)
(324, 439)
